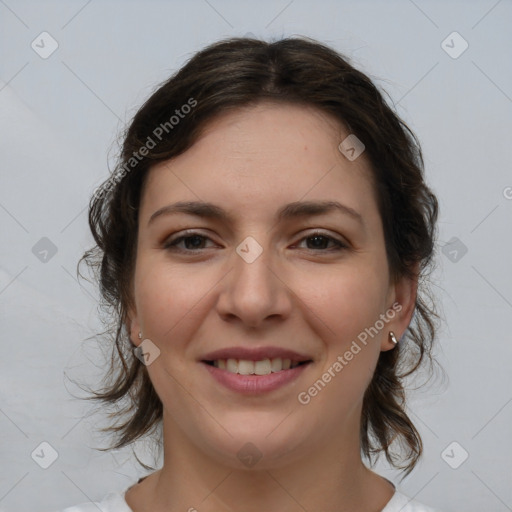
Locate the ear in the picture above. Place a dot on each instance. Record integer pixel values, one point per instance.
(401, 301)
(133, 326)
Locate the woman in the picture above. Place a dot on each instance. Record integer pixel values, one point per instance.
(263, 243)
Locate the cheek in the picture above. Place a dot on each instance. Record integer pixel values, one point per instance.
(341, 300)
(172, 303)
(172, 300)
(348, 299)
(167, 293)
(345, 306)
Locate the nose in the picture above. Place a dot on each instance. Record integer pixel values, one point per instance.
(255, 292)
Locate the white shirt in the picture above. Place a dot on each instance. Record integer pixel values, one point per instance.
(115, 502)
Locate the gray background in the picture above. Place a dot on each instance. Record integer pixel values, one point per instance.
(59, 120)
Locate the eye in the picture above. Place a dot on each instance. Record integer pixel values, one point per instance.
(192, 241)
(319, 241)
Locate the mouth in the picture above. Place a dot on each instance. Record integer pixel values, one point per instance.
(261, 367)
(256, 370)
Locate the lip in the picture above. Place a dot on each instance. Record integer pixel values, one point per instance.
(254, 384)
(255, 354)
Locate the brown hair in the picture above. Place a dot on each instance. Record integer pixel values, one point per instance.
(228, 75)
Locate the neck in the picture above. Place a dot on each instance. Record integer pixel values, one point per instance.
(331, 479)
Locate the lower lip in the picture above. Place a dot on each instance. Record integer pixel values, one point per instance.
(255, 384)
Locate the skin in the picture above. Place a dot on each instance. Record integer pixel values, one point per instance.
(310, 298)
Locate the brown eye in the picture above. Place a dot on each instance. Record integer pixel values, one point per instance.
(192, 242)
(320, 242)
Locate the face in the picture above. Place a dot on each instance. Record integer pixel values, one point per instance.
(265, 282)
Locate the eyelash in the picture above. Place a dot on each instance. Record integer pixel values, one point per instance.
(171, 245)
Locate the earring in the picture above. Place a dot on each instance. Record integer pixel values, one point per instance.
(140, 335)
(393, 337)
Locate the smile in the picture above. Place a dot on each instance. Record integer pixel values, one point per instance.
(255, 370)
(262, 367)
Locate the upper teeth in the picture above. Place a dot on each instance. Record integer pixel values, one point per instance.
(246, 367)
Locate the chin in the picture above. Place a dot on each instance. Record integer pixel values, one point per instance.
(262, 444)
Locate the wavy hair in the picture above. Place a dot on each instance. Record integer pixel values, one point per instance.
(224, 76)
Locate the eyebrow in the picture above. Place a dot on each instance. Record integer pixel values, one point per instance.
(292, 210)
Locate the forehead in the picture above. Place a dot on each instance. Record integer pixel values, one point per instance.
(264, 154)
(270, 128)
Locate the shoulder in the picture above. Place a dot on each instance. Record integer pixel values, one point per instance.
(113, 502)
(401, 503)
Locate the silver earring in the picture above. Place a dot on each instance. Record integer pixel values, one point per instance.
(393, 337)
(140, 335)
